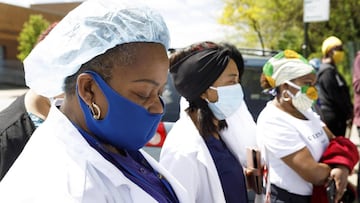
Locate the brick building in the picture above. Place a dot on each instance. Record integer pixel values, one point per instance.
(12, 19)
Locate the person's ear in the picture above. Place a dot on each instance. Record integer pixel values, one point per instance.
(85, 85)
(209, 95)
(330, 53)
(283, 87)
(204, 95)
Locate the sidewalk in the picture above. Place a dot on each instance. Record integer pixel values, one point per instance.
(9, 95)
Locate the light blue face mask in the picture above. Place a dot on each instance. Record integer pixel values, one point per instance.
(126, 125)
(230, 98)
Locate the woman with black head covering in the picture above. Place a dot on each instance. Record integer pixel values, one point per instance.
(196, 152)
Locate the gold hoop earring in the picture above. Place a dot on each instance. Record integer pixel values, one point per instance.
(283, 96)
(96, 114)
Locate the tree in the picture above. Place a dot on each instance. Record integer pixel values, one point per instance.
(29, 34)
(249, 11)
(262, 22)
(278, 25)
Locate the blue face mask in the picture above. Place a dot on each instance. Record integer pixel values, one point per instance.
(230, 98)
(126, 125)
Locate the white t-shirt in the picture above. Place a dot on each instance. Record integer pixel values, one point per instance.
(279, 134)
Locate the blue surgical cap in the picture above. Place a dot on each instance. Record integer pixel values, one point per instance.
(88, 31)
(315, 62)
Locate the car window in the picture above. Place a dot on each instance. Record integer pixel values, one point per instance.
(172, 99)
(254, 96)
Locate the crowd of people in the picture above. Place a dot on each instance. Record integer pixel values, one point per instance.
(95, 82)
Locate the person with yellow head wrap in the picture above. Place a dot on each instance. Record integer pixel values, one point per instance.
(335, 103)
(332, 48)
(291, 136)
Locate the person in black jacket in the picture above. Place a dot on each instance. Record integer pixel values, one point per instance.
(15, 130)
(334, 97)
(19, 120)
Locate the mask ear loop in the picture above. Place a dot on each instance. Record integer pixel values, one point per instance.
(97, 112)
(288, 92)
(283, 95)
(212, 88)
(293, 85)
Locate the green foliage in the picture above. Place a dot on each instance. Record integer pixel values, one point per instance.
(264, 22)
(29, 34)
(278, 25)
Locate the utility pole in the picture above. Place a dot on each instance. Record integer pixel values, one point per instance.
(306, 40)
(314, 11)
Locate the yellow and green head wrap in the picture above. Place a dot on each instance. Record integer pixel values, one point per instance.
(284, 66)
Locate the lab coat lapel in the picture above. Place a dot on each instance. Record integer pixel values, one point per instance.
(101, 173)
(180, 191)
(204, 156)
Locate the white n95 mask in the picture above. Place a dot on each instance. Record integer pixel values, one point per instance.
(230, 98)
(304, 98)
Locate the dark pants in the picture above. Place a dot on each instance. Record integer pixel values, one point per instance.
(279, 195)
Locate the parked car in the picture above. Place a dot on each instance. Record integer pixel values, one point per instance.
(250, 81)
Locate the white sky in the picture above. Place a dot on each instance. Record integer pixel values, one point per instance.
(189, 21)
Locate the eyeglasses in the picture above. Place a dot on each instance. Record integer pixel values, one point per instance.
(338, 48)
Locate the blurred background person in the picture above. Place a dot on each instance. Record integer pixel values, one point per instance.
(356, 86)
(203, 150)
(109, 58)
(292, 136)
(315, 63)
(334, 97)
(19, 120)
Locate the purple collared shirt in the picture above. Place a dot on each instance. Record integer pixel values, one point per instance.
(230, 171)
(136, 168)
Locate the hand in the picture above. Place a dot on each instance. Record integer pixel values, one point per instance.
(253, 172)
(254, 179)
(340, 175)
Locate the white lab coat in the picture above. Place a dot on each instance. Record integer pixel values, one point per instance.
(58, 165)
(187, 157)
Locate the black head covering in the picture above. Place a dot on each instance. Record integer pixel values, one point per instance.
(236, 56)
(195, 73)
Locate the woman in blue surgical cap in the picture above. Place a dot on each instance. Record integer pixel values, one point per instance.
(110, 60)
